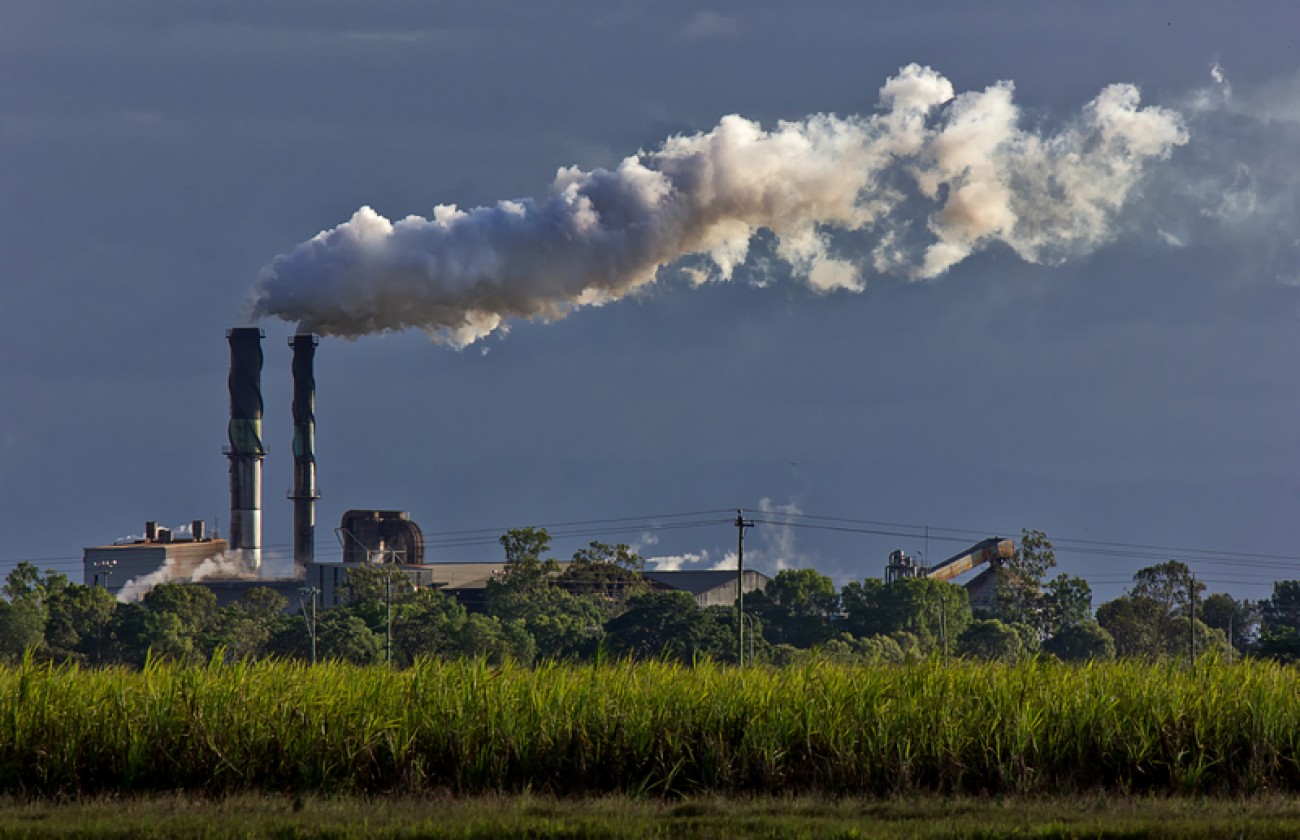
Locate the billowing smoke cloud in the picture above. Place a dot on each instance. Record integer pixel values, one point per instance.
(225, 566)
(976, 174)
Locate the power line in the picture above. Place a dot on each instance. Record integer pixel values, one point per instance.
(652, 518)
(687, 520)
(469, 542)
(916, 530)
(491, 536)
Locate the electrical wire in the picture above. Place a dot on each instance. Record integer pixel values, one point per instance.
(1243, 561)
(918, 530)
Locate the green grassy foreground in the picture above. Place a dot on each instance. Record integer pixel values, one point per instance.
(658, 730)
(618, 817)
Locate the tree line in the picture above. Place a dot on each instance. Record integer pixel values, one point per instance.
(600, 605)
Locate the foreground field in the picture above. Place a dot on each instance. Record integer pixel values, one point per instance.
(618, 817)
(651, 730)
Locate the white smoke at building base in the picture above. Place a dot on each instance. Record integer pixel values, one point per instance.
(929, 179)
(220, 566)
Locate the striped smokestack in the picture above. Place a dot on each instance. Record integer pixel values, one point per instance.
(304, 493)
(246, 450)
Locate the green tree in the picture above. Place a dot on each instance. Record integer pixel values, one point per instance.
(376, 583)
(1152, 621)
(290, 638)
(22, 627)
(430, 625)
(561, 623)
(1236, 619)
(525, 569)
(1170, 585)
(369, 590)
(850, 650)
(496, 641)
(23, 621)
(991, 640)
(881, 650)
(611, 574)
(1135, 626)
(1066, 602)
(1209, 641)
(1279, 627)
(167, 637)
(1081, 642)
(929, 609)
(245, 628)
(177, 622)
(344, 637)
(125, 641)
(1018, 592)
(77, 622)
(797, 607)
(669, 624)
(862, 606)
(603, 554)
(24, 583)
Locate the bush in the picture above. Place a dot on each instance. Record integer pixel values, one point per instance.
(1081, 642)
(991, 640)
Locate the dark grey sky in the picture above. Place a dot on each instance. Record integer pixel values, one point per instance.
(154, 156)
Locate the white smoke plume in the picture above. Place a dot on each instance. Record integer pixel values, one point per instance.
(223, 565)
(679, 562)
(777, 547)
(729, 562)
(771, 548)
(963, 165)
(1239, 182)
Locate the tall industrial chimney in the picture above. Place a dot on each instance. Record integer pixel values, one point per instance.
(246, 450)
(304, 493)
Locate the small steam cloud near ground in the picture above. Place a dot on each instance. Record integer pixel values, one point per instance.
(223, 565)
(930, 178)
(770, 547)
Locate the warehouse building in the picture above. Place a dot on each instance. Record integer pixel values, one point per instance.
(111, 566)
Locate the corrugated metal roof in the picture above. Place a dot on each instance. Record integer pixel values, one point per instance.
(697, 582)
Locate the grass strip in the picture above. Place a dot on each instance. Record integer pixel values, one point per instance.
(624, 817)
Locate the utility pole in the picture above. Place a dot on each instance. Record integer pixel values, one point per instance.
(388, 600)
(943, 623)
(1230, 646)
(311, 618)
(741, 525)
(1191, 618)
(105, 568)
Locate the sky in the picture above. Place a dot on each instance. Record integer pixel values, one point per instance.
(916, 336)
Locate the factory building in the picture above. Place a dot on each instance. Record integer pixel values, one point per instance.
(708, 588)
(983, 589)
(111, 566)
(370, 537)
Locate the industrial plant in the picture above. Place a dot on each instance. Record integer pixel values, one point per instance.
(230, 567)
